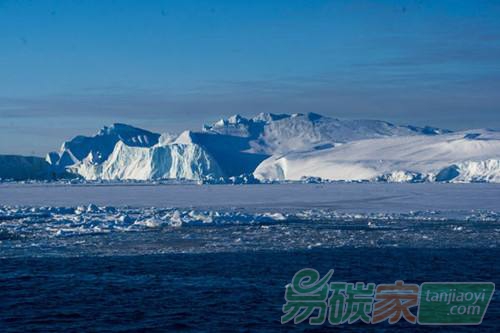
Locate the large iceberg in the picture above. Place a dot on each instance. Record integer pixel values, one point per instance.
(470, 156)
(172, 161)
(275, 147)
(280, 133)
(100, 146)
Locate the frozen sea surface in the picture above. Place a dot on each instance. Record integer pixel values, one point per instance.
(69, 220)
(353, 197)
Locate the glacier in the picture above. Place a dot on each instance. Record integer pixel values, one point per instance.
(233, 147)
(177, 161)
(272, 147)
(281, 133)
(457, 157)
(98, 147)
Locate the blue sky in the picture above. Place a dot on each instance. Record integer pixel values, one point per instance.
(70, 67)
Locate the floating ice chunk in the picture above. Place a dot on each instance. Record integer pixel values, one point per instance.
(176, 219)
(80, 210)
(92, 208)
(275, 216)
(200, 216)
(124, 219)
(149, 222)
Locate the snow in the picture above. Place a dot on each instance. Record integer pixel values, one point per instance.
(71, 221)
(475, 171)
(76, 220)
(279, 147)
(126, 219)
(166, 138)
(178, 161)
(234, 147)
(276, 134)
(398, 158)
(343, 197)
(101, 145)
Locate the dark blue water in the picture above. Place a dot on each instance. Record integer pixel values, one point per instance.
(219, 292)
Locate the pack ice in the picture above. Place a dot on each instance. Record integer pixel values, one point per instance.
(280, 147)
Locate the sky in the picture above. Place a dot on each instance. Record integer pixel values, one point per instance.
(71, 67)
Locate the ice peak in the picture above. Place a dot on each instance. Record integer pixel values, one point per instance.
(268, 117)
(185, 137)
(120, 128)
(237, 145)
(101, 145)
(237, 119)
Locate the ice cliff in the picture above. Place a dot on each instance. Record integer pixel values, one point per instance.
(273, 147)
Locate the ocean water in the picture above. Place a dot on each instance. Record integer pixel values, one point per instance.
(214, 292)
(134, 258)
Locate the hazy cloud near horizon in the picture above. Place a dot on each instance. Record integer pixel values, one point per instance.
(170, 66)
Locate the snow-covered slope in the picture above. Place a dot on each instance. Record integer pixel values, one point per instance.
(18, 167)
(280, 133)
(98, 147)
(462, 156)
(276, 147)
(178, 161)
(240, 144)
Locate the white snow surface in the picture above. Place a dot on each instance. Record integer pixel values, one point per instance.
(467, 156)
(285, 197)
(280, 147)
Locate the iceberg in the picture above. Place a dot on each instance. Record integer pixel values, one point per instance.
(100, 146)
(275, 147)
(453, 157)
(177, 161)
